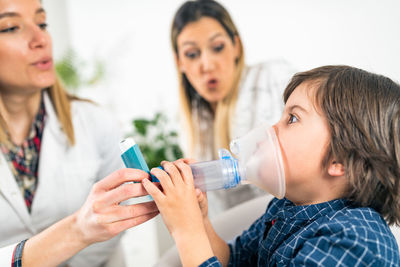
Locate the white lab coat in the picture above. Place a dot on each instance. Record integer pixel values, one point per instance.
(66, 175)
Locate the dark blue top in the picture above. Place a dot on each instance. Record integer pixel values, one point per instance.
(333, 233)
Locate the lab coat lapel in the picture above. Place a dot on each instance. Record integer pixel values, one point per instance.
(52, 154)
(54, 147)
(11, 193)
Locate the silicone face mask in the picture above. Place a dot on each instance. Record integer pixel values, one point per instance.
(260, 160)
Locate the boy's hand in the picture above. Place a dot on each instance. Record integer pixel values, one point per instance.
(203, 203)
(177, 202)
(201, 196)
(180, 210)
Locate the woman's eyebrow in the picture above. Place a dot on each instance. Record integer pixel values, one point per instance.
(188, 43)
(8, 14)
(215, 36)
(15, 14)
(210, 40)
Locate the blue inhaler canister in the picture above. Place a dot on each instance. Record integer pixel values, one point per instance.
(133, 158)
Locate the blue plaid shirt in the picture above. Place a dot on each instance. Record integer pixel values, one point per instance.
(333, 233)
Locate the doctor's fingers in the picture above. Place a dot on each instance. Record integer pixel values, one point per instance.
(119, 177)
(117, 227)
(121, 193)
(122, 213)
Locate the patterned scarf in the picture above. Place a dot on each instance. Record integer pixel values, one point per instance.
(24, 160)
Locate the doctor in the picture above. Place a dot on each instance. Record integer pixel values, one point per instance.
(54, 151)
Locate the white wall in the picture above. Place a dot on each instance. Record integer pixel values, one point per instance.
(132, 37)
(57, 16)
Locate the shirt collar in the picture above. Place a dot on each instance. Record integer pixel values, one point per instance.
(38, 123)
(36, 128)
(290, 211)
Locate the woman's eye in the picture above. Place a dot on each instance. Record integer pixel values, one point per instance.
(192, 54)
(219, 48)
(43, 26)
(292, 119)
(9, 29)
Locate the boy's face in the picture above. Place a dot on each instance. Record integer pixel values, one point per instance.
(304, 135)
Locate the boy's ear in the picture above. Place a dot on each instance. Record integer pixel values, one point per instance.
(335, 169)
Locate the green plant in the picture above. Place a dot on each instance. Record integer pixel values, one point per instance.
(70, 68)
(156, 142)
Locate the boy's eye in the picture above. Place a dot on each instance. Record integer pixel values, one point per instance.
(292, 119)
(9, 29)
(192, 54)
(219, 48)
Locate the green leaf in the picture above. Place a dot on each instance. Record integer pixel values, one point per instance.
(141, 126)
(151, 134)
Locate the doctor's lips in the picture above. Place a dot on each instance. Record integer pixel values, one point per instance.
(212, 83)
(44, 63)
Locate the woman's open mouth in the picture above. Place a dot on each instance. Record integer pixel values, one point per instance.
(212, 83)
(45, 64)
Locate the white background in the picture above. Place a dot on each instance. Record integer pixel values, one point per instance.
(132, 38)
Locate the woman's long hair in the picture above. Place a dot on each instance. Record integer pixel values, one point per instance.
(61, 101)
(192, 11)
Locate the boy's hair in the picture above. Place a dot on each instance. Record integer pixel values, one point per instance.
(363, 113)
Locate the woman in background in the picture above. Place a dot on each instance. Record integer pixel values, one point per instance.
(55, 150)
(220, 97)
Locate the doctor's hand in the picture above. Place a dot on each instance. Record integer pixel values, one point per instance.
(101, 217)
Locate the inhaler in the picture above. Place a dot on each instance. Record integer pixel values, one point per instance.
(259, 161)
(133, 158)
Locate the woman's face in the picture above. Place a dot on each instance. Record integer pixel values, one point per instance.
(206, 55)
(26, 62)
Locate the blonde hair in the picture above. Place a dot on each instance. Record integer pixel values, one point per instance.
(192, 11)
(61, 101)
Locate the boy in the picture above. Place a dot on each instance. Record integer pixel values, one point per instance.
(340, 141)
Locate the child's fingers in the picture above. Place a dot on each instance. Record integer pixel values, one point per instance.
(173, 172)
(202, 200)
(153, 190)
(164, 179)
(198, 192)
(188, 160)
(202, 204)
(186, 172)
(201, 196)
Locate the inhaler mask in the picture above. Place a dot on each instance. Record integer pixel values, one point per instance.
(260, 160)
